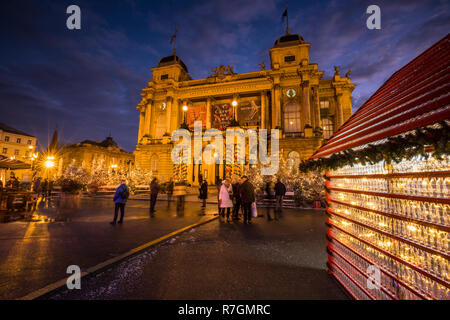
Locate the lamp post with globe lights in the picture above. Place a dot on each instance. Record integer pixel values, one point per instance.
(184, 124)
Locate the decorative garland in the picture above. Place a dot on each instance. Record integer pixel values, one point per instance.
(395, 149)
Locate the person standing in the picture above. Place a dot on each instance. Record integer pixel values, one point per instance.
(43, 189)
(49, 189)
(179, 191)
(236, 198)
(169, 192)
(280, 191)
(154, 189)
(225, 201)
(120, 199)
(247, 198)
(36, 188)
(204, 192)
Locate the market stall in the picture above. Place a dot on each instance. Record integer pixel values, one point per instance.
(387, 174)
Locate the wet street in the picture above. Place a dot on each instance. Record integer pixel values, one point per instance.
(37, 253)
(282, 259)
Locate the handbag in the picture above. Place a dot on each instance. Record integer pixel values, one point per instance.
(254, 210)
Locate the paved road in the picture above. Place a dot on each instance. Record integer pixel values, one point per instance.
(35, 254)
(282, 259)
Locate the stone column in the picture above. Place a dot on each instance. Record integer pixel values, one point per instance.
(175, 115)
(168, 114)
(148, 116)
(317, 122)
(306, 104)
(141, 124)
(339, 111)
(276, 110)
(208, 113)
(263, 110)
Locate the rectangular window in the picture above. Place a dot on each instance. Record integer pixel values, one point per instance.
(289, 58)
(19, 140)
(324, 104)
(29, 142)
(6, 138)
(164, 77)
(327, 127)
(5, 150)
(16, 152)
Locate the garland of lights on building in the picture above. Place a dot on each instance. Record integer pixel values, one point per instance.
(396, 149)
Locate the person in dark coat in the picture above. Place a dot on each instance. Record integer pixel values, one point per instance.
(120, 199)
(169, 192)
(236, 199)
(43, 188)
(280, 191)
(247, 191)
(36, 185)
(204, 192)
(154, 189)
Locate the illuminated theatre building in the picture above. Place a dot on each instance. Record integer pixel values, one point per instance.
(290, 96)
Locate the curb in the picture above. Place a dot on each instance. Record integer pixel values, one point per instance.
(103, 265)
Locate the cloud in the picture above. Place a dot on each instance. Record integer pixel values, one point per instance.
(89, 82)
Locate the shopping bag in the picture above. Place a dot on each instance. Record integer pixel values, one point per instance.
(254, 210)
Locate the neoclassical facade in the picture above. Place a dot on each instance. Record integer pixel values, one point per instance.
(290, 95)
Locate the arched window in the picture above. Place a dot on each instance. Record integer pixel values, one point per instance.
(292, 118)
(154, 163)
(293, 160)
(327, 127)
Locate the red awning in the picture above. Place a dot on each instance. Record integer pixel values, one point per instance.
(415, 96)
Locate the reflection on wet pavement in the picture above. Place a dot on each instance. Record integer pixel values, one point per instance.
(62, 232)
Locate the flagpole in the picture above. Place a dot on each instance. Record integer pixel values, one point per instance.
(287, 20)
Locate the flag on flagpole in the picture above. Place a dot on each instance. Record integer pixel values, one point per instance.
(285, 13)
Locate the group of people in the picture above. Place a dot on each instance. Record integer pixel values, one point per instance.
(12, 184)
(232, 198)
(42, 188)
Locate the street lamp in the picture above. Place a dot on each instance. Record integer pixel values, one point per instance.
(233, 122)
(184, 125)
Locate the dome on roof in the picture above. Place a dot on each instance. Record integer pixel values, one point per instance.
(289, 40)
(172, 59)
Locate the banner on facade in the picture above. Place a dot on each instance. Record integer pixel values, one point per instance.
(249, 113)
(196, 113)
(221, 115)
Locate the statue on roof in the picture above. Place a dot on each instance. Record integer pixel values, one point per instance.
(262, 65)
(219, 71)
(336, 70)
(230, 69)
(347, 75)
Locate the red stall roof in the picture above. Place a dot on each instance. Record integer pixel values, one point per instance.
(415, 96)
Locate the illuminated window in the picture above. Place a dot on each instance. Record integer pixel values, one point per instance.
(29, 142)
(292, 118)
(327, 127)
(19, 140)
(16, 152)
(6, 138)
(5, 150)
(324, 104)
(154, 162)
